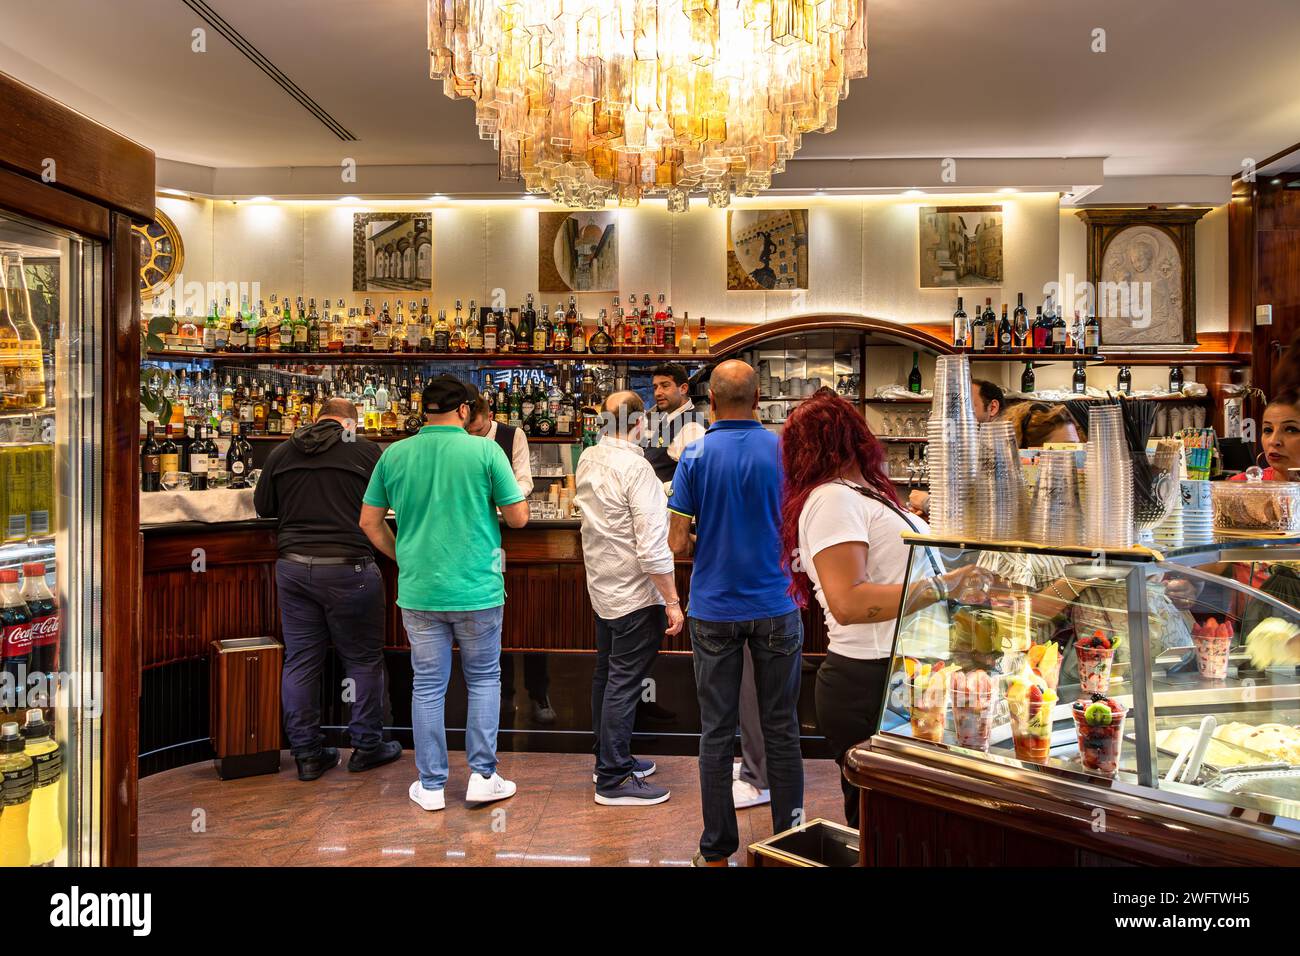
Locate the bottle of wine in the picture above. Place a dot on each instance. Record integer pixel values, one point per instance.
(1091, 334)
(1006, 338)
(960, 328)
(1059, 333)
(990, 327)
(1124, 381)
(150, 465)
(1080, 380)
(197, 465)
(239, 459)
(527, 327)
(1040, 333)
(1176, 379)
(1021, 333)
(1027, 379)
(914, 377)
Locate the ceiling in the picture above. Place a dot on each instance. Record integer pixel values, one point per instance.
(1185, 87)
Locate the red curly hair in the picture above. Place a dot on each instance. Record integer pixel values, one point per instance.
(822, 437)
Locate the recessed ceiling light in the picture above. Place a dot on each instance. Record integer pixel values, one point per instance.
(175, 192)
(914, 192)
(349, 199)
(437, 197)
(1008, 189)
(262, 199)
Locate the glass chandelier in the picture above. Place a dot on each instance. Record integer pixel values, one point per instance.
(592, 100)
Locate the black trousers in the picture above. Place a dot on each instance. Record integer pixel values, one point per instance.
(626, 648)
(850, 695)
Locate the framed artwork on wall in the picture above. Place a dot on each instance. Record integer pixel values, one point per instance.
(1142, 271)
(767, 249)
(392, 251)
(960, 246)
(577, 252)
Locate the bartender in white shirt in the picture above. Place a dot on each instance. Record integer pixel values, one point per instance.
(675, 424)
(512, 440)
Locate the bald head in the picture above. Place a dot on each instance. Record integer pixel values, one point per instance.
(733, 390)
(623, 411)
(339, 409)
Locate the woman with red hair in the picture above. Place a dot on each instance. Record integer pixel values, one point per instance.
(841, 533)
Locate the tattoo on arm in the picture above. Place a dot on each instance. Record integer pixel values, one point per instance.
(872, 613)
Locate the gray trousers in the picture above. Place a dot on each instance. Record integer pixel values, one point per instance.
(753, 754)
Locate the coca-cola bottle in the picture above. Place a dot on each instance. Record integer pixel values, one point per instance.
(15, 631)
(45, 619)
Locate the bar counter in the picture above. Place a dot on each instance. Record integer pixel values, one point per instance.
(211, 581)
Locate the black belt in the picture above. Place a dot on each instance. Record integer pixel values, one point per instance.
(310, 559)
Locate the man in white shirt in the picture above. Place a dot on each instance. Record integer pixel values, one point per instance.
(676, 422)
(513, 441)
(630, 579)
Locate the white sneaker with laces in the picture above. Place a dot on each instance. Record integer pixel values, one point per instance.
(426, 799)
(745, 794)
(483, 789)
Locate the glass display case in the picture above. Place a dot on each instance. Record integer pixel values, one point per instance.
(1167, 676)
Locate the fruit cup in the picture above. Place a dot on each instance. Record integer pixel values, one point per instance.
(972, 709)
(1045, 660)
(927, 695)
(1099, 723)
(1095, 661)
(1213, 642)
(1031, 725)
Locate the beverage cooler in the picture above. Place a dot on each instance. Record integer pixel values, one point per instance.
(70, 192)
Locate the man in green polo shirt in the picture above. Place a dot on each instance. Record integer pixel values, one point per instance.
(444, 486)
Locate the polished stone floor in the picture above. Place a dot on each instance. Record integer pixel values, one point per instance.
(190, 818)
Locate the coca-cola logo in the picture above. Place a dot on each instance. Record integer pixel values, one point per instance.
(45, 630)
(17, 639)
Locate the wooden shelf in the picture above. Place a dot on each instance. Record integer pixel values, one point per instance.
(1185, 359)
(397, 358)
(900, 440)
(384, 439)
(899, 401)
(1037, 358)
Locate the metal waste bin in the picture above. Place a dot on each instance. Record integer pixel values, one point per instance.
(818, 842)
(245, 701)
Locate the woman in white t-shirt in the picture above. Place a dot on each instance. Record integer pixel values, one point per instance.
(841, 528)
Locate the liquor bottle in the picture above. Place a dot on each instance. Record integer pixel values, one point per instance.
(473, 331)
(632, 326)
(559, 409)
(1091, 334)
(424, 338)
(507, 340)
(1038, 333)
(1006, 338)
(197, 465)
(571, 318)
(542, 332)
(702, 339)
(647, 325)
(262, 335)
(1027, 379)
(1080, 380)
(685, 344)
(578, 337)
(456, 341)
(990, 327)
(527, 406)
(661, 319)
(490, 331)
(1176, 379)
(238, 341)
(525, 336)
(960, 328)
(239, 459)
(44, 826)
(501, 407)
(275, 417)
(600, 341)
(366, 328)
(15, 766)
(381, 396)
(169, 455)
(618, 334)
(283, 322)
(516, 416)
(1021, 333)
(670, 331)
(189, 337)
(1059, 333)
(210, 329)
(560, 332)
(222, 343)
(150, 466)
(1124, 382)
(914, 377)
(441, 333)
(381, 334)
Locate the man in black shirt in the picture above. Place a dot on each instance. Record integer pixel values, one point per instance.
(329, 588)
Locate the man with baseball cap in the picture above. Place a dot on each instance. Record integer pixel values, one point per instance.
(444, 486)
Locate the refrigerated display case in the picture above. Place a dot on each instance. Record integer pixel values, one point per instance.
(69, 356)
(1123, 704)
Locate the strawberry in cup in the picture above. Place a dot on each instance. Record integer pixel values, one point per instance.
(1095, 655)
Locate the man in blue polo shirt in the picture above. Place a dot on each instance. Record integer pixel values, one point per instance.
(729, 484)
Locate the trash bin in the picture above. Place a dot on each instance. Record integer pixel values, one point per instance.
(245, 701)
(816, 843)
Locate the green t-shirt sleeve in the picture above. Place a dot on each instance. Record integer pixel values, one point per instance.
(376, 492)
(505, 490)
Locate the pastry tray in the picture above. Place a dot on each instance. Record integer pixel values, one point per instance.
(1281, 782)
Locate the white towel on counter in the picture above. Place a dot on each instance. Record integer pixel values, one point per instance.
(213, 506)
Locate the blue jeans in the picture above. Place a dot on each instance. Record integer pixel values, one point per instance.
(626, 648)
(775, 644)
(478, 635)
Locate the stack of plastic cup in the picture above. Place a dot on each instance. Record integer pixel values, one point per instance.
(1197, 512)
(1054, 504)
(953, 438)
(1108, 470)
(998, 496)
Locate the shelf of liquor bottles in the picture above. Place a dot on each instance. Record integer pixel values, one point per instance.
(399, 358)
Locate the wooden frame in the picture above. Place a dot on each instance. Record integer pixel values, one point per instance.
(1104, 225)
(101, 184)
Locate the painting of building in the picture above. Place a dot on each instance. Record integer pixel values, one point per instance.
(960, 246)
(577, 252)
(392, 251)
(767, 249)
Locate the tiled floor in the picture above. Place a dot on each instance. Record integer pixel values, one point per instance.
(190, 818)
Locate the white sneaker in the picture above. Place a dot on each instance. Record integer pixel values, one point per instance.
(483, 789)
(427, 799)
(736, 768)
(745, 794)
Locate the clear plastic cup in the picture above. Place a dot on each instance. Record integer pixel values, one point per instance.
(1212, 655)
(1031, 727)
(928, 704)
(1099, 744)
(1094, 669)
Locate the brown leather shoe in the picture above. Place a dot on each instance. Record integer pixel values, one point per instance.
(698, 860)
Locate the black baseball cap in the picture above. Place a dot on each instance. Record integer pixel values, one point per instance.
(443, 394)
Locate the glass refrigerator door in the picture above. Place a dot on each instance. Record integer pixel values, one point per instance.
(50, 548)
